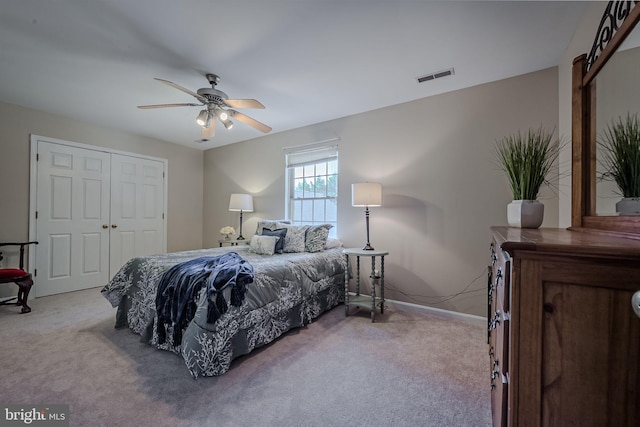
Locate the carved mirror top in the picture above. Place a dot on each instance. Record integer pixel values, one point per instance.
(614, 15)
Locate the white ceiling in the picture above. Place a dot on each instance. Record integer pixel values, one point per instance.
(307, 61)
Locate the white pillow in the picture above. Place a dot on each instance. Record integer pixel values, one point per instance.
(263, 245)
(332, 243)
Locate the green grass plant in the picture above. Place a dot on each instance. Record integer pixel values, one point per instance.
(527, 160)
(620, 154)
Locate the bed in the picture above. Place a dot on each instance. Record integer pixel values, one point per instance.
(289, 290)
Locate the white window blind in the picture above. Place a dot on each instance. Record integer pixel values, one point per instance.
(311, 155)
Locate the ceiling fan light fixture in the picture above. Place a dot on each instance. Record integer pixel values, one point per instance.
(214, 102)
(222, 114)
(203, 118)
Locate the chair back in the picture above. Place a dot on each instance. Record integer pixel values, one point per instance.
(22, 245)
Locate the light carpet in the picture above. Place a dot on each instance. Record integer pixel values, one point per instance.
(407, 369)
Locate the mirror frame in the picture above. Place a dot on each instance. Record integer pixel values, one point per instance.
(619, 19)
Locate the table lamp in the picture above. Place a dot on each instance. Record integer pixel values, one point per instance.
(366, 194)
(242, 203)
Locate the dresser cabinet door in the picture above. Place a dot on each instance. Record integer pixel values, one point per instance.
(590, 351)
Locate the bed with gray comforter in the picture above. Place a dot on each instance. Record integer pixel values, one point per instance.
(288, 290)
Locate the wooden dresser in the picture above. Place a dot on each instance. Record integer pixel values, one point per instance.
(564, 341)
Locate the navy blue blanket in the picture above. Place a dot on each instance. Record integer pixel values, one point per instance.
(181, 284)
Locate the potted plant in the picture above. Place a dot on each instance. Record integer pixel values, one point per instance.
(527, 161)
(620, 159)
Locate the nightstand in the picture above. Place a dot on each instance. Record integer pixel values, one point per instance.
(372, 300)
(234, 242)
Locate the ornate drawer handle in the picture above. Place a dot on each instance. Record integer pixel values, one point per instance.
(495, 321)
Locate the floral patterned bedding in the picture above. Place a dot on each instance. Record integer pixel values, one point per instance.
(289, 290)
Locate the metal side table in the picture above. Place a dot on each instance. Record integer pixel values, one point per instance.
(233, 242)
(370, 301)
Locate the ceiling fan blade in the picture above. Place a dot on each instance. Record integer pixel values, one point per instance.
(209, 132)
(148, 107)
(243, 103)
(183, 89)
(249, 121)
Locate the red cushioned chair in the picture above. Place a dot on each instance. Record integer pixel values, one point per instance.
(18, 276)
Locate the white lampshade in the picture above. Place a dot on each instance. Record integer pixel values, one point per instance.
(241, 202)
(366, 194)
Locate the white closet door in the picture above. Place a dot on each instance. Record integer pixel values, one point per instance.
(137, 204)
(72, 218)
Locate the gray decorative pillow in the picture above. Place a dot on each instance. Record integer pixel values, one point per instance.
(270, 224)
(263, 245)
(281, 233)
(316, 237)
(294, 239)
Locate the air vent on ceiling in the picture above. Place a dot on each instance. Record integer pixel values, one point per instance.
(434, 76)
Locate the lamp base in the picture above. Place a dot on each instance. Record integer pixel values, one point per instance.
(240, 237)
(368, 247)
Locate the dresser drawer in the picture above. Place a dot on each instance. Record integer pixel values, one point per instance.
(502, 278)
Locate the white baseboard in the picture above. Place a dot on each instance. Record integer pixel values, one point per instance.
(471, 318)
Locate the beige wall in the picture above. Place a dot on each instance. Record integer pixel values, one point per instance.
(441, 188)
(184, 226)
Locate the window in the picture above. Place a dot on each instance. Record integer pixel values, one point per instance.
(312, 186)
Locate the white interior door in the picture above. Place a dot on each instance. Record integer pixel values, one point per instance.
(91, 210)
(72, 207)
(137, 209)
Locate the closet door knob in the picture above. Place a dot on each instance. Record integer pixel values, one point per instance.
(635, 303)
(105, 226)
(114, 226)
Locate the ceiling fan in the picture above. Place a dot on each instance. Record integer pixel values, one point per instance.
(217, 106)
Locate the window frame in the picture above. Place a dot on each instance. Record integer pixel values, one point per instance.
(298, 162)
